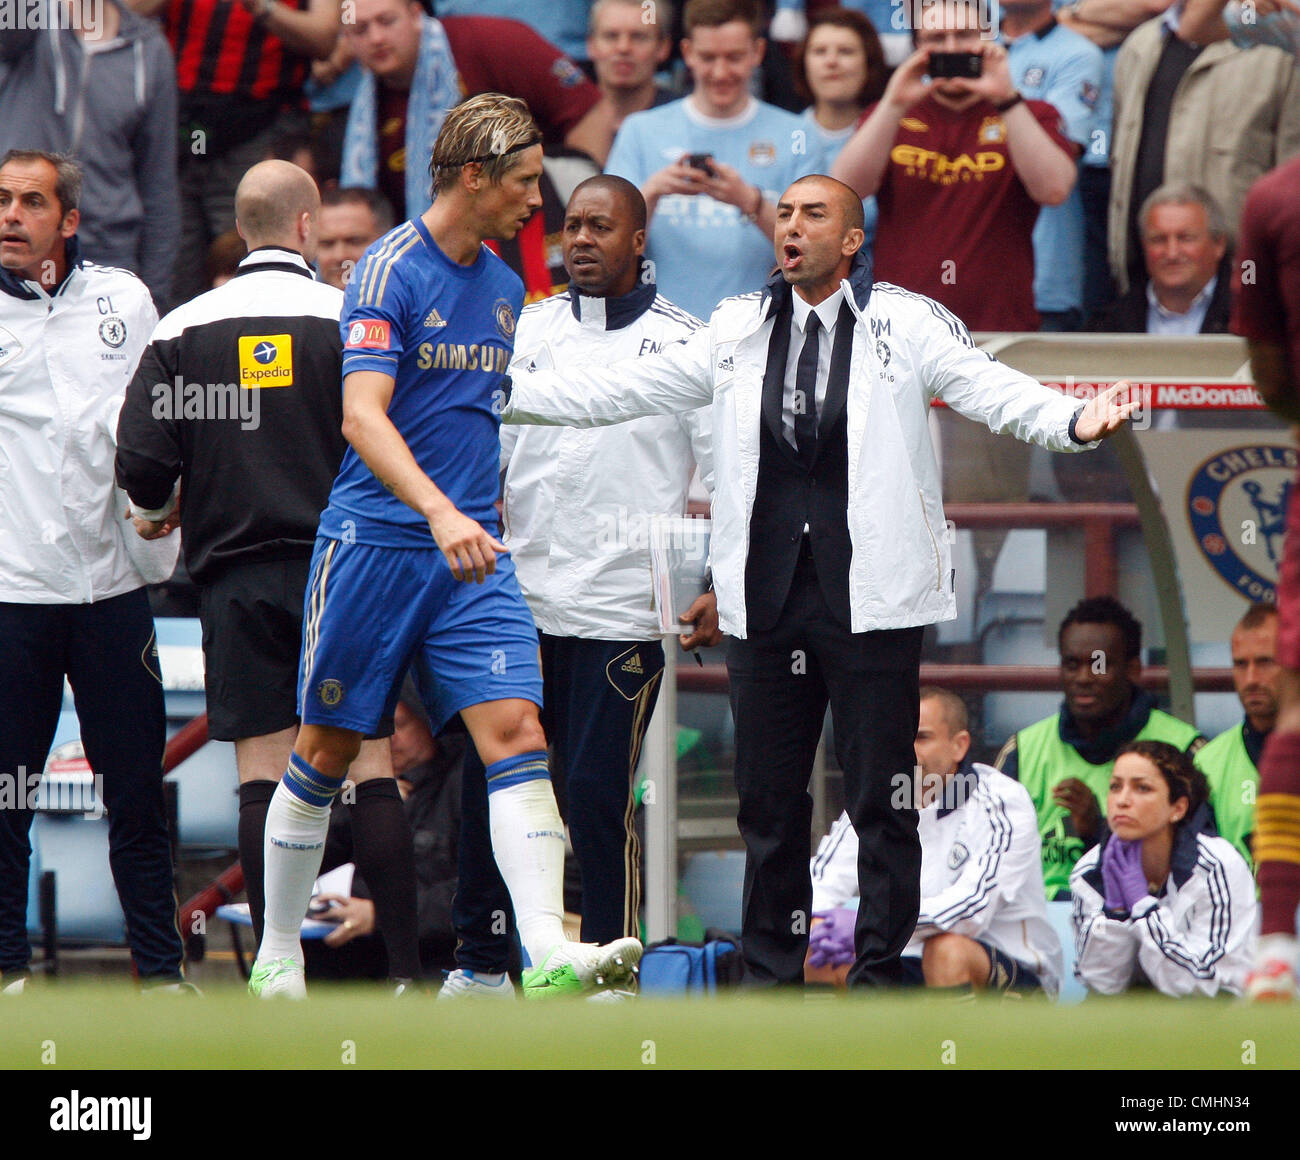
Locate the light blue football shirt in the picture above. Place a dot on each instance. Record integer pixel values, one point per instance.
(704, 250)
(833, 140)
(1064, 69)
(562, 22)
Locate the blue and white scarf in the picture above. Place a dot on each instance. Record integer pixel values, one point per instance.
(435, 89)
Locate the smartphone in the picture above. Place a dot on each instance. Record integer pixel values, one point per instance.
(958, 65)
(702, 161)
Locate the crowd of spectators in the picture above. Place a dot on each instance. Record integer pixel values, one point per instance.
(1087, 171)
(1020, 197)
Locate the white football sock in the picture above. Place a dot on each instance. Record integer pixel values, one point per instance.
(528, 842)
(294, 845)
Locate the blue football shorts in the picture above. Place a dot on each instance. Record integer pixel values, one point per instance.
(372, 612)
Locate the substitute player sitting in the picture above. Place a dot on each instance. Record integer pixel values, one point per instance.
(983, 922)
(406, 567)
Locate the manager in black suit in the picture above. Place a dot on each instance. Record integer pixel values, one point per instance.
(829, 551)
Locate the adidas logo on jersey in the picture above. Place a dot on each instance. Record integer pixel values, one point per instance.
(633, 664)
(434, 319)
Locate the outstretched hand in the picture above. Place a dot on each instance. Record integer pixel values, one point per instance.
(1106, 413)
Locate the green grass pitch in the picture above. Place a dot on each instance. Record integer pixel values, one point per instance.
(108, 1025)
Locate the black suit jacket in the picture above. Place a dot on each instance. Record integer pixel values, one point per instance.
(1129, 314)
(791, 494)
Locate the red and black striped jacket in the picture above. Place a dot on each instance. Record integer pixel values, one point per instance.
(233, 75)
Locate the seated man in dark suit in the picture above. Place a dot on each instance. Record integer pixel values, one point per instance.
(1184, 243)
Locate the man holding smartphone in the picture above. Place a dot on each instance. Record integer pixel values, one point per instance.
(713, 209)
(959, 164)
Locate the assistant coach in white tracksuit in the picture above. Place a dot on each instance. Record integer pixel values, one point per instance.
(72, 572)
(828, 548)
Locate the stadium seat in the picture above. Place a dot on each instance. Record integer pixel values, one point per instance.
(208, 800)
(180, 657)
(712, 884)
(1018, 583)
(74, 848)
(1215, 712)
(207, 782)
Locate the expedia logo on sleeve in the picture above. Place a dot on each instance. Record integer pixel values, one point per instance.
(266, 360)
(1236, 504)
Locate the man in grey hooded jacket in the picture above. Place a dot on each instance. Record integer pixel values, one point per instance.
(91, 79)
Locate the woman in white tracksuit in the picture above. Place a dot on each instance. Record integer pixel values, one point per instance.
(1161, 901)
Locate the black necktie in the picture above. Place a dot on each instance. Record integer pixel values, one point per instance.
(805, 392)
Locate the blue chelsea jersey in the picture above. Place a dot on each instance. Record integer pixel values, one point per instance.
(445, 334)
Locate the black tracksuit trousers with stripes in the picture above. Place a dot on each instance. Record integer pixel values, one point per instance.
(106, 650)
(599, 695)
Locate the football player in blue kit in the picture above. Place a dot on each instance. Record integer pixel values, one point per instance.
(407, 567)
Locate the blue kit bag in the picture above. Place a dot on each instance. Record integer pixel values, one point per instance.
(671, 968)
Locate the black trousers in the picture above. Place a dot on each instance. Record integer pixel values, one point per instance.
(781, 683)
(106, 650)
(599, 696)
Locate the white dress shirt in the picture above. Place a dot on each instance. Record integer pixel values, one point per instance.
(1164, 321)
(828, 311)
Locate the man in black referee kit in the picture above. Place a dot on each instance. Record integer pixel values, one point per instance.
(238, 397)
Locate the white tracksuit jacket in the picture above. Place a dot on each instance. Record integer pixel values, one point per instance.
(65, 362)
(981, 871)
(907, 351)
(1195, 939)
(578, 502)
